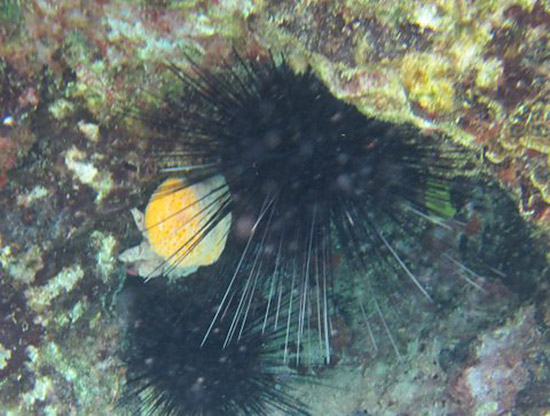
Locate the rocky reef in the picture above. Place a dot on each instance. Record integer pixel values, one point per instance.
(71, 167)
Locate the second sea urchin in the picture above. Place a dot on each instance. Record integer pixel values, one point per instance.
(171, 373)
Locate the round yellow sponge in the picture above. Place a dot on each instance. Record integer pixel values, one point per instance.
(177, 222)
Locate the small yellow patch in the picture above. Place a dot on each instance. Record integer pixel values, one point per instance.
(178, 219)
(428, 81)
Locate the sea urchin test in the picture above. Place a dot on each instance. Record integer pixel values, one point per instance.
(180, 228)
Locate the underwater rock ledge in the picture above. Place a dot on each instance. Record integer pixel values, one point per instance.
(477, 71)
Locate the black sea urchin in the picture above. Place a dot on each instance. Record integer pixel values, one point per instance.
(309, 178)
(170, 373)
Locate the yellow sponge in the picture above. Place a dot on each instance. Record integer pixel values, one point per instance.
(177, 219)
